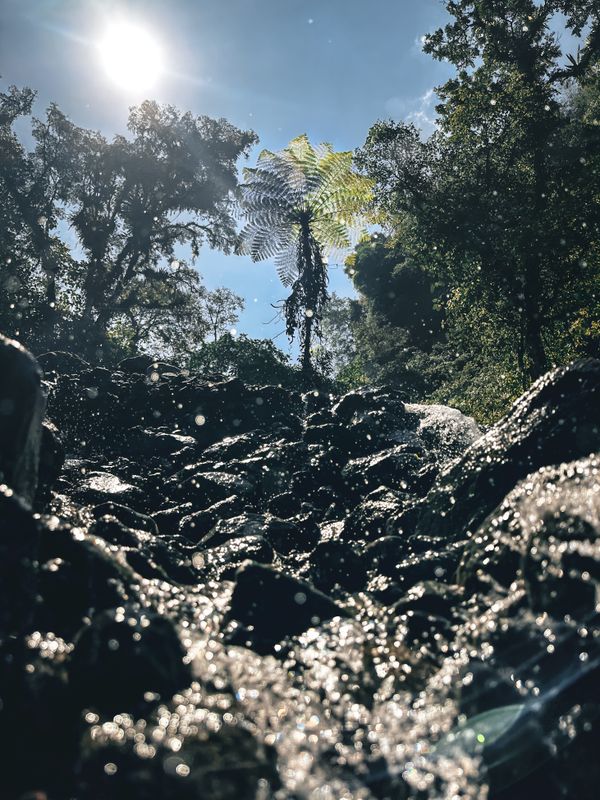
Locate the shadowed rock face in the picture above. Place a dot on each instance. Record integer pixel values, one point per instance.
(557, 420)
(21, 411)
(236, 591)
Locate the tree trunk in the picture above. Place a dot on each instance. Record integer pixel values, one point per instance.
(306, 359)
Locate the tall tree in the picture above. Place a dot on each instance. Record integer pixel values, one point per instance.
(32, 255)
(301, 204)
(132, 203)
(501, 199)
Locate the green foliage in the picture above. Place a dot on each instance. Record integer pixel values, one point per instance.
(500, 205)
(254, 361)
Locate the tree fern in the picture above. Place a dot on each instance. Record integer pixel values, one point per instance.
(301, 205)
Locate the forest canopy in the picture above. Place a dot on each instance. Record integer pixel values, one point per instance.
(478, 270)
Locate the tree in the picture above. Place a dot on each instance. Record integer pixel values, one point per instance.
(397, 288)
(131, 202)
(300, 204)
(501, 201)
(32, 254)
(254, 361)
(222, 307)
(337, 336)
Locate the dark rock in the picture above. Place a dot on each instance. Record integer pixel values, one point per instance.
(285, 505)
(122, 657)
(385, 554)
(104, 487)
(21, 410)
(207, 488)
(149, 443)
(77, 576)
(19, 541)
(222, 562)
(51, 460)
(271, 606)
(197, 525)
(336, 564)
(135, 364)
(547, 532)
(62, 363)
(284, 535)
(126, 515)
(557, 420)
(371, 518)
(168, 520)
(113, 531)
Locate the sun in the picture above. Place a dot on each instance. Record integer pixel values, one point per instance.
(131, 56)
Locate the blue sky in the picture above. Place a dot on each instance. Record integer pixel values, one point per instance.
(328, 68)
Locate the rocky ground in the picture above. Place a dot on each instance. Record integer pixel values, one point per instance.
(211, 590)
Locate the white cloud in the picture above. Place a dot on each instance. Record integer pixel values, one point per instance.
(419, 111)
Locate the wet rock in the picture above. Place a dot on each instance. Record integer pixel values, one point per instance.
(104, 487)
(19, 541)
(223, 561)
(336, 564)
(270, 605)
(305, 540)
(150, 443)
(168, 520)
(285, 536)
(127, 660)
(51, 461)
(21, 410)
(62, 363)
(557, 420)
(197, 525)
(285, 505)
(77, 576)
(135, 364)
(547, 533)
(113, 531)
(371, 518)
(206, 488)
(126, 515)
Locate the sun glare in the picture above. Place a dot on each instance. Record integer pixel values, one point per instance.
(131, 57)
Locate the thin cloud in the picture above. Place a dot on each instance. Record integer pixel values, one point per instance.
(419, 111)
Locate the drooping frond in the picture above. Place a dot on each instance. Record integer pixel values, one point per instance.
(286, 262)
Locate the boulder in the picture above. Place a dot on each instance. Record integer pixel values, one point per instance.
(21, 411)
(546, 533)
(122, 658)
(136, 364)
(62, 363)
(557, 420)
(269, 606)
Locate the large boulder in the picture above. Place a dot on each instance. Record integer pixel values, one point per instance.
(557, 420)
(21, 412)
(546, 534)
